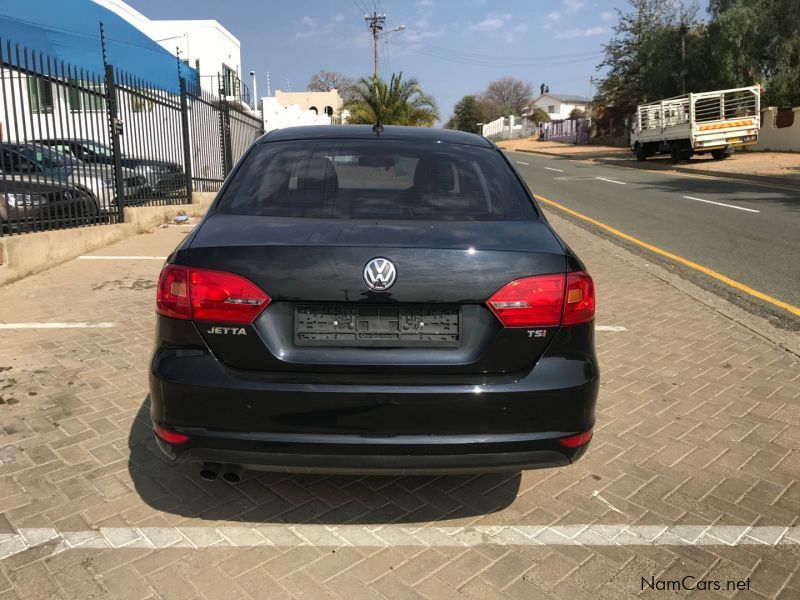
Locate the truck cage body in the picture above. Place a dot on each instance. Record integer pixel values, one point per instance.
(707, 120)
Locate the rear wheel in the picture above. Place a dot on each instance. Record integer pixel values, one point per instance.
(721, 154)
(675, 152)
(641, 155)
(679, 154)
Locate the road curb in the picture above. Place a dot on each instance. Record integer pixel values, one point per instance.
(775, 181)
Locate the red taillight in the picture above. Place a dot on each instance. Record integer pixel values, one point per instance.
(171, 437)
(172, 296)
(545, 301)
(530, 302)
(576, 441)
(579, 305)
(224, 297)
(207, 295)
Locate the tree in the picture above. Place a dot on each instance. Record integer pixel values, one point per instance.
(633, 52)
(467, 113)
(577, 113)
(325, 81)
(539, 115)
(757, 42)
(507, 96)
(400, 102)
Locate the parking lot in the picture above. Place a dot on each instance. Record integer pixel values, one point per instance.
(692, 475)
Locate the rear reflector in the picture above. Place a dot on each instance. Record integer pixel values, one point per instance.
(576, 441)
(208, 295)
(579, 307)
(171, 437)
(545, 300)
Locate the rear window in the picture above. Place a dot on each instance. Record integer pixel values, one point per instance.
(376, 179)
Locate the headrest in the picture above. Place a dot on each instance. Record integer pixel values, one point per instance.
(318, 176)
(434, 175)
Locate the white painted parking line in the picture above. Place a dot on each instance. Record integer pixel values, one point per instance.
(386, 536)
(56, 325)
(752, 210)
(519, 162)
(611, 180)
(94, 257)
(609, 328)
(554, 169)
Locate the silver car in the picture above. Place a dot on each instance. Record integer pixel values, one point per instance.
(43, 164)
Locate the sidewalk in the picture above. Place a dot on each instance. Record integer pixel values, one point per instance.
(693, 469)
(782, 168)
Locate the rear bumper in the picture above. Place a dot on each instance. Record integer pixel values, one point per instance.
(316, 458)
(377, 424)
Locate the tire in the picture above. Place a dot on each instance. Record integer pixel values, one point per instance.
(679, 154)
(675, 152)
(641, 155)
(721, 154)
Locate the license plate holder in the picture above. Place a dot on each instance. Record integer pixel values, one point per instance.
(377, 326)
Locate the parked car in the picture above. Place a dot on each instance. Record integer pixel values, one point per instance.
(363, 303)
(163, 177)
(42, 163)
(26, 205)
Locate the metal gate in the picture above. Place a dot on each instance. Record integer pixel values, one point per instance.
(220, 133)
(77, 147)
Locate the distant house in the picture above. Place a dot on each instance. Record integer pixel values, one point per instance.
(558, 106)
(321, 103)
(289, 109)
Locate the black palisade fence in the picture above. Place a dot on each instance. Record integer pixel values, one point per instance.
(77, 147)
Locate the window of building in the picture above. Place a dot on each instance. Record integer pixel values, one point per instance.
(40, 95)
(313, 108)
(329, 111)
(86, 96)
(551, 109)
(228, 80)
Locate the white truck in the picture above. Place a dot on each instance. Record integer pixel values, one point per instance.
(715, 122)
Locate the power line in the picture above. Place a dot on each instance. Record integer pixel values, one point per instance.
(495, 59)
(498, 61)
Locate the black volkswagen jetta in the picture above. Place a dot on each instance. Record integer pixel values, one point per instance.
(363, 302)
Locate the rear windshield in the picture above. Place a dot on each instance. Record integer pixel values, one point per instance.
(376, 179)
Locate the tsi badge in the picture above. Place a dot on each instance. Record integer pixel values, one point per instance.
(227, 331)
(537, 333)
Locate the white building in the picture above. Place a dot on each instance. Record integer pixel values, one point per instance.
(558, 106)
(292, 109)
(277, 116)
(204, 45)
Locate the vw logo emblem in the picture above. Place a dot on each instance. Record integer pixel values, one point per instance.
(380, 274)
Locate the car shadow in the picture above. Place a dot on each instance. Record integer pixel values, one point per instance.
(320, 499)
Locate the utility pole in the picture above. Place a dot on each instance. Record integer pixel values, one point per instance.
(375, 22)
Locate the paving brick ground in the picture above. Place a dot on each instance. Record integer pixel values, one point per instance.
(698, 426)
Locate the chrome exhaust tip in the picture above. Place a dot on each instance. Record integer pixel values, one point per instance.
(209, 471)
(232, 473)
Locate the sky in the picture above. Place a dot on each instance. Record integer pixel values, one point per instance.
(452, 47)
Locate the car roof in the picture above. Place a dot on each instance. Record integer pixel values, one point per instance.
(390, 132)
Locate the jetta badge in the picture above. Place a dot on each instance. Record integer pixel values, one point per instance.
(380, 274)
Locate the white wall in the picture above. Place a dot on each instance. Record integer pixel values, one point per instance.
(204, 41)
(786, 139)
